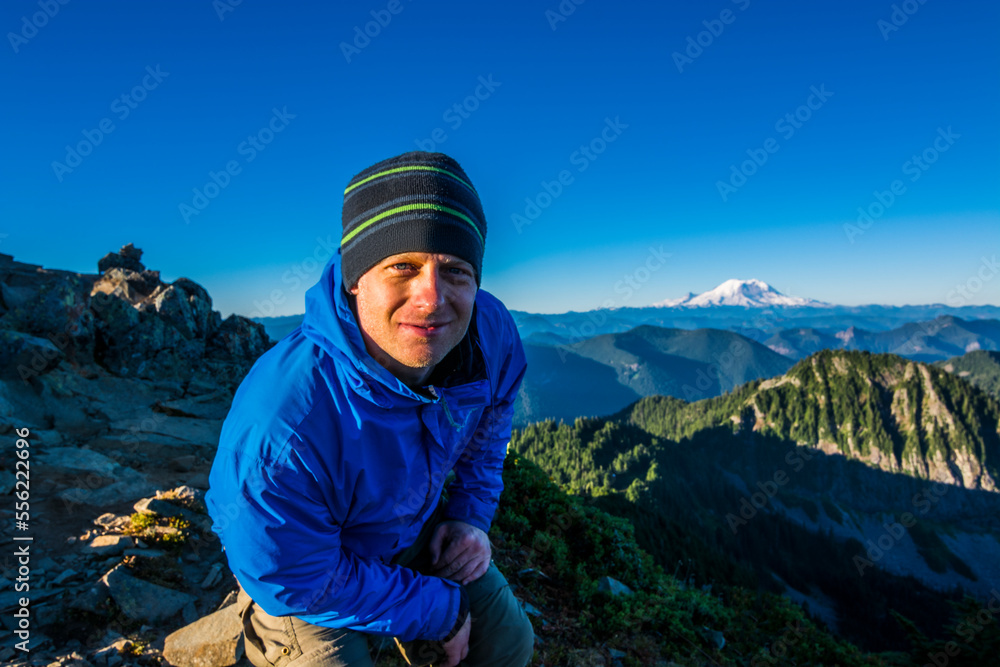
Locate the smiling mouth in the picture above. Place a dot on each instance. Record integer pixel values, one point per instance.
(431, 327)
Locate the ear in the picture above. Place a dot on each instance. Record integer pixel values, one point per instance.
(353, 290)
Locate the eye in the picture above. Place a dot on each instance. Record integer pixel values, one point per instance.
(458, 270)
(402, 266)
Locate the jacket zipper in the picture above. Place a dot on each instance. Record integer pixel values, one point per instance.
(444, 403)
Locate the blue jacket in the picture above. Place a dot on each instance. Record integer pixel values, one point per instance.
(328, 466)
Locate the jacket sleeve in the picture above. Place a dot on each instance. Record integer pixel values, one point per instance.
(474, 494)
(284, 547)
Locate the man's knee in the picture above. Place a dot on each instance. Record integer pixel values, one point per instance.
(522, 643)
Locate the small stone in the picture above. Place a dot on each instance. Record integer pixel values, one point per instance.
(714, 638)
(530, 609)
(45, 564)
(65, 576)
(613, 587)
(213, 577)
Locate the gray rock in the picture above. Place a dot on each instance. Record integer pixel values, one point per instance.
(184, 463)
(126, 258)
(213, 577)
(612, 586)
(7, 482)
(141, 600)
(77, 461)
(88, 599)
(189, 613)
(113, 522)
(108, 545)
(201, 385)
(145, 553)
(212, 641)
(45, 563)
(166, 508)
(64, 577)
(130, 485)
(714, 638)
(207, 406)
(23, 356)
(530, 609)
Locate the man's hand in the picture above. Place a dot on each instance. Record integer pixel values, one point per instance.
(458, 648)
(459, 551)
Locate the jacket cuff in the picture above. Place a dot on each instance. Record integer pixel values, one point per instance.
(459, 509)
(463, 612)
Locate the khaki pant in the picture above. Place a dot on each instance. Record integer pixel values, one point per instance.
(501, 632)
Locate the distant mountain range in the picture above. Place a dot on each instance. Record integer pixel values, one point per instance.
(749, 307)
(602, 374)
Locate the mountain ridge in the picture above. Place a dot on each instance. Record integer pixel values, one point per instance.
(751, 293)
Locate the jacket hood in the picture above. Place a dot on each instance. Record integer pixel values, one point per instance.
(330, 323)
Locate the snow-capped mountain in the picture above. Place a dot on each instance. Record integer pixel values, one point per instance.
(748, 293)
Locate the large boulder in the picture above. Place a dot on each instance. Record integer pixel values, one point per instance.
(49, 304)
(126, 258)
(186, 306)
(23, 356)
(142, 600)
(212, 641)
(240, 340)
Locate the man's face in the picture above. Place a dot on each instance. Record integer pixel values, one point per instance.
(413, 308)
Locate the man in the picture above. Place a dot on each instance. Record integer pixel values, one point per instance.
(326, 485)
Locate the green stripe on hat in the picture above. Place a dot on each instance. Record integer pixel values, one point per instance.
(410, 207)
(410, 168)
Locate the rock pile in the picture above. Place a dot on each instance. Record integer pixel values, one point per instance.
(124, 319)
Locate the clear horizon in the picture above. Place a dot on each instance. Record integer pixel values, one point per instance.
(848, 154)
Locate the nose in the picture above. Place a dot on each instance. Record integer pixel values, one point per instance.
(428, 291)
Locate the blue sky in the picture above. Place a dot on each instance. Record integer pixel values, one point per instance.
(735, 139)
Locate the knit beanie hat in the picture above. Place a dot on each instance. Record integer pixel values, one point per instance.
(414, 202)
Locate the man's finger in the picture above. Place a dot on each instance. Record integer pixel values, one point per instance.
(471, 571)
(480, 571)
(456, 551)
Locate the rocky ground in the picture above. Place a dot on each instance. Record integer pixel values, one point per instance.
(113, 389)
(122, 553)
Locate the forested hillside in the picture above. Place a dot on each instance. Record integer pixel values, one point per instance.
(785, 485)
(980, 367)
